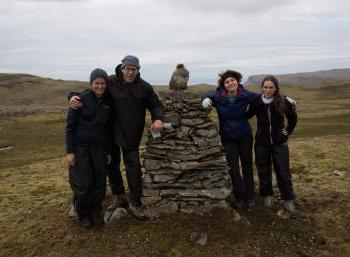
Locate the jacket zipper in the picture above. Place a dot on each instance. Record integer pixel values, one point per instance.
(270, 127)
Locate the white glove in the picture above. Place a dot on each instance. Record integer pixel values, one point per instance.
(206, 103)
(292, 101)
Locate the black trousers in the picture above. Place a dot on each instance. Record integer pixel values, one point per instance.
(132, 164)
(88, 180)
(278, 155)
(241, 150)
(115, 178)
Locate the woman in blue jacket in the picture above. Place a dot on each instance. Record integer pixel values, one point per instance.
(271, 110)
(231, 101)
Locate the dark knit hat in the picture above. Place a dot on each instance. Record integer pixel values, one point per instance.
(130, 60)
(98, 73)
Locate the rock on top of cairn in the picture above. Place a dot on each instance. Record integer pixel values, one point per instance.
(185, 167)
(179, 78)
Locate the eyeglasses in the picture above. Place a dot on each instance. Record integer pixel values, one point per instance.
(131, 69)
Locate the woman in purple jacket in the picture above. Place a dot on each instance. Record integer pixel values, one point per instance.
(231, 101)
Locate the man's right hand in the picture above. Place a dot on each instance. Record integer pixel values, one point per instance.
(75, 102)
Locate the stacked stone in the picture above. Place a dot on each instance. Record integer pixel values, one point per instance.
(185, 168)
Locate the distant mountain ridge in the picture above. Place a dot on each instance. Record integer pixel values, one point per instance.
(334, 76)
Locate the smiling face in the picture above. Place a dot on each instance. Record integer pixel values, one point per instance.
(268, 89)
(231, 85)
(129, 74)
(98, 86)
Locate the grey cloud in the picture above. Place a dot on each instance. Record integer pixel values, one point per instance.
(226, 6)
(68, 40)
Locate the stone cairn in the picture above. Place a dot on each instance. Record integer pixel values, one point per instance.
(184, 166)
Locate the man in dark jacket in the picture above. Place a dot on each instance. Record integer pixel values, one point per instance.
(130, 96)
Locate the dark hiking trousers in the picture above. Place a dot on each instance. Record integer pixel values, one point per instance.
(132, 164)
(241, 150)
(115, 178)
(278, 155)
(88, 180)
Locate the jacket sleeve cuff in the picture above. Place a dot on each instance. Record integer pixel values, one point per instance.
(158, 114)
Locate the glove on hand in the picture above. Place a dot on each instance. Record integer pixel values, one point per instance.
(206, 103)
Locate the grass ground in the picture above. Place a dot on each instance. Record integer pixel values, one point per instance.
(35, 197)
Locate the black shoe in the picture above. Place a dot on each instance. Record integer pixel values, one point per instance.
(251, 203)
(239, 204)
(96, 219)
(85, 223)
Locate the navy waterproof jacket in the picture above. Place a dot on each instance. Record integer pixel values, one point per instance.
(233, 122)
(89, 125)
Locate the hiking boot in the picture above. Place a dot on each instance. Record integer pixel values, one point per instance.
(96, 219)
(72, 211)
(289, 206)
(139, 213)
(239, 204)
(119, 201)
(85, 223)
(268, 200)
(251, 203)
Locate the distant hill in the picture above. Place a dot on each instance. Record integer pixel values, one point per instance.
(24, 93)
(336, 76)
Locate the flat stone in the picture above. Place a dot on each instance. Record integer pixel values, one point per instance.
(203, 208)
(192, 122)
(164, 207)
(206, 125)
(194, 114)
(213, 151)
(150, 200)
(215, 193)
(206, 132)
(338, 173)
(204, 142)
(150, 192)
(147, 178)
(185, 129)
(116, 214)
(165, 147)
(162, 178)
(173, 118)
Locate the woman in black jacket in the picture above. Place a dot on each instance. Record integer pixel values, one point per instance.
(271, 137)
(88, 136)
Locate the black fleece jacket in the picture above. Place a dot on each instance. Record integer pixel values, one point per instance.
(270, 122)
(90, 125)
(129, 103)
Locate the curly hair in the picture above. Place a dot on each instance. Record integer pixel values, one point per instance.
(229, 74)
(279, 100)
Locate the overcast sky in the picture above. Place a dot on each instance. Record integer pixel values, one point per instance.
(66, 39)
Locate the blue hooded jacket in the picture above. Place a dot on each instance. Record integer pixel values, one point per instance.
(233, 122)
